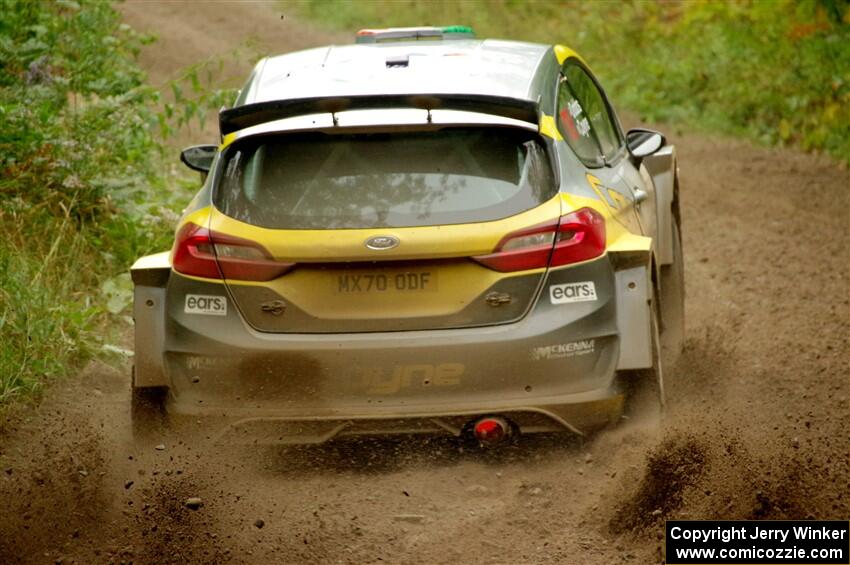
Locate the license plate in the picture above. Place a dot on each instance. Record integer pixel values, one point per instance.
(414, 281)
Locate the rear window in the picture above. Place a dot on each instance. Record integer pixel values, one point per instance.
(321, 181)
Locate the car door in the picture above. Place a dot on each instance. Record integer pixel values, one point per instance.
(590, 128)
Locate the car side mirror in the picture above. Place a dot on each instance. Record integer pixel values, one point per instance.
(644, 142)
(199, 157)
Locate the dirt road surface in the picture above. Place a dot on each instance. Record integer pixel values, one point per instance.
(758, 425)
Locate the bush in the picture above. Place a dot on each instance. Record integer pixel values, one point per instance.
(78, 163)
(74, 117)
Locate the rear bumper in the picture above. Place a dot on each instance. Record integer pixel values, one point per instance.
(579, 413)
(552, 370)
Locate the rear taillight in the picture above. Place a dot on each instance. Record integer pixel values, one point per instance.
(578, 236)
(196, 250)
(522, 250)
(581, 236)
(193, 253)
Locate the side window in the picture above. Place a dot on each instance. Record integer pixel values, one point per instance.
(584, 118)
(575, 126)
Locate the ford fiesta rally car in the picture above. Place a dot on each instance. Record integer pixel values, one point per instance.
(418, 233)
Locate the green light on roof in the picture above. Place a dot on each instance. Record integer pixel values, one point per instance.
(457, 29)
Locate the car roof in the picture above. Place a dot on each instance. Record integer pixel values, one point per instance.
(491, 67)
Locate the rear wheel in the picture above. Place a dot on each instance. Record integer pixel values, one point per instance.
(147, 410)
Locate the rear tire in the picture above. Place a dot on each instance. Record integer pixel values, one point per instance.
(147, 411)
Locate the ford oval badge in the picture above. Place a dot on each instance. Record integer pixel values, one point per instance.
(381, 242)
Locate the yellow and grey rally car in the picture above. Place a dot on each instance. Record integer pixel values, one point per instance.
(421, 232)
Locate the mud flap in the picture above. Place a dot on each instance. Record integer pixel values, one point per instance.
(150, 275)
(658, 367)
(634, 317)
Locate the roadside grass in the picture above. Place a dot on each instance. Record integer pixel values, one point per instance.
(48, 318)
(64, 291)
(84, 185)
(776, 72)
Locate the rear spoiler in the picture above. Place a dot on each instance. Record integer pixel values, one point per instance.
(241, 117)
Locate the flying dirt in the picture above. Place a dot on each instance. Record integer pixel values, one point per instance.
(756, 426)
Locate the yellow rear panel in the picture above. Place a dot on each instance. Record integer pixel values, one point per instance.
(427, 281)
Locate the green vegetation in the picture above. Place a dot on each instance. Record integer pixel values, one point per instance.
(777, 71)
(78, 175)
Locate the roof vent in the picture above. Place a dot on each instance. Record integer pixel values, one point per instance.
(398, 62)
(414, 34)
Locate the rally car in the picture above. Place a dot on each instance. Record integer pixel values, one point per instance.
(421, 232)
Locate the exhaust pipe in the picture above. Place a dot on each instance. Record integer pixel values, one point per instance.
(491, 430)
